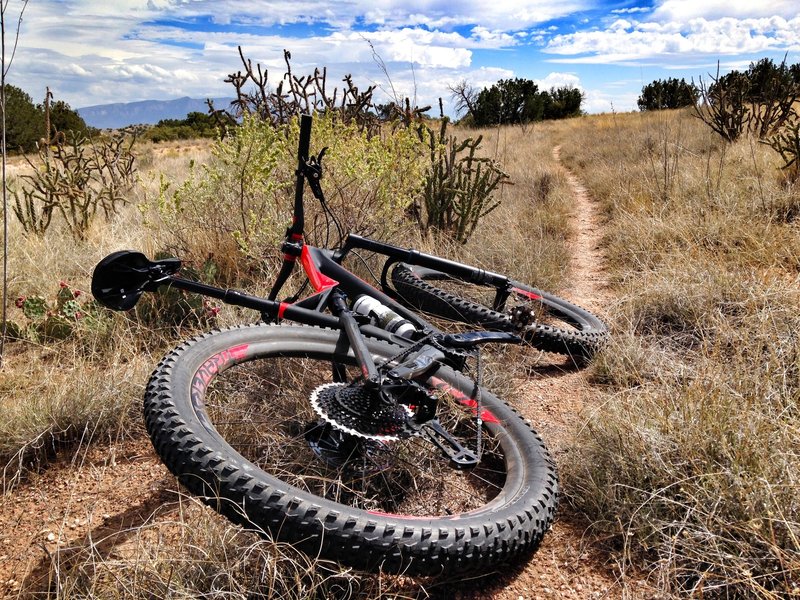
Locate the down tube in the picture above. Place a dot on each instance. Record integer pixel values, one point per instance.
(354, 286)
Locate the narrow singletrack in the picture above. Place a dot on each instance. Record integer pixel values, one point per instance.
(569, 564)
(588, 276)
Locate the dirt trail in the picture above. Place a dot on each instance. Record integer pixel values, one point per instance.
(100, 495)
(568, 564)
(588, 276)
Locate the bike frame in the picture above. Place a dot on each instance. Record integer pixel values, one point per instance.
(335, 288)
(323, 267)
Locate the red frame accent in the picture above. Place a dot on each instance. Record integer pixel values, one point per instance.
(486, 415)
(526, 293)
(319, 281)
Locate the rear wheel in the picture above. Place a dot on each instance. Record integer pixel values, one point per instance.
(230, 413)
(545, 321)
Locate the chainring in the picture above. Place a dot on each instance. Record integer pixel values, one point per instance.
(359, 411)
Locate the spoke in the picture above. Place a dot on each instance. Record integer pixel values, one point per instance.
(267, 419)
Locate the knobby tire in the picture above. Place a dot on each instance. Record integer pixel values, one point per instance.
(228, 414)
(573, 331)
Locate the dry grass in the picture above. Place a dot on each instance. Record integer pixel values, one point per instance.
(185, 550)
(692, 459)
(57, 397)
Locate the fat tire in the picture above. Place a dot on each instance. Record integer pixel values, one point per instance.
(191, 447)
(582, 340)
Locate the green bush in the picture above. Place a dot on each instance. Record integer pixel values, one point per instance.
(195, 125)
(368, 181)
(239, 205)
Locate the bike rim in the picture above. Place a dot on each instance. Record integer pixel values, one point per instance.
(259, 405)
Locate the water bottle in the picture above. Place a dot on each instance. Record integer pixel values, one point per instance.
(386, 318)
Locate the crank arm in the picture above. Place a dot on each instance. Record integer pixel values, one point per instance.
(460, 457)
(470, 339)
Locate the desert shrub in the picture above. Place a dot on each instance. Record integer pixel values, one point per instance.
(368, 180)
(77, 180)
(195, 125)
(787, 144)
(235, 209)
(230, 207)
(759, 101)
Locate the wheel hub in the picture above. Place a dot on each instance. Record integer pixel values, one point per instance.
(340, 450)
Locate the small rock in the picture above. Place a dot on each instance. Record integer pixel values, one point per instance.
(51, 537)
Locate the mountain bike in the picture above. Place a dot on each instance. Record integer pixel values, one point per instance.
(344, 422)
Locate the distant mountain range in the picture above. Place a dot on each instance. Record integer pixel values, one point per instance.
(146, 112)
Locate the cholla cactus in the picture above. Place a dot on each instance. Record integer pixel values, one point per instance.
(459, 187)
(76, 180)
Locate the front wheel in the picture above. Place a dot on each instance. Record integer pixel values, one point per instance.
(545, 321)
(229, 413)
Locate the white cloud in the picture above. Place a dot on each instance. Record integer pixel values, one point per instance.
(559, 80)
(626, 42)
(598, 101)
(684, 10)
(631, 10)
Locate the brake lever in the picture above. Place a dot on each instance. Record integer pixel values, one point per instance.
(312, 170)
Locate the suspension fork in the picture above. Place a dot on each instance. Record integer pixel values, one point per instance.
(372, 378)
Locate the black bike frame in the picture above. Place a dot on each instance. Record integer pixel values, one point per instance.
(323, 267)
(334, 286)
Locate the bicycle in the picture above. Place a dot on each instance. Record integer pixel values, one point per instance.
(355, 434)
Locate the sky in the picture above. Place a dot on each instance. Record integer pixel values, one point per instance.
(93, 52)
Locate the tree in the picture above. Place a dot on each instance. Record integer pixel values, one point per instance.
(66, 120)
(23, 120)
(509, 101)
(512, 101)
(464, 97)
(669, 93)
(562, 103)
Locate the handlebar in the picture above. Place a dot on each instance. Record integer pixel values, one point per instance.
(303, 146)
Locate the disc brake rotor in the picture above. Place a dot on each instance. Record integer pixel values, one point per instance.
(340, 450)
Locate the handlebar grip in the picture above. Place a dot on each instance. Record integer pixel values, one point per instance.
(305, 138)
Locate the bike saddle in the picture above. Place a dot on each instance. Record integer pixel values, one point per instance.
(122, 277)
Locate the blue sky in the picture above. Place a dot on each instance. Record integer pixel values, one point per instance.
(101, 51)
